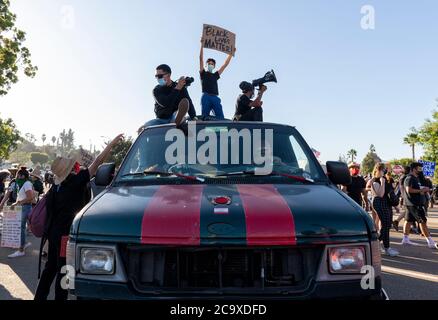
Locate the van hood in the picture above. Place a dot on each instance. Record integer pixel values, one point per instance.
(189, 215)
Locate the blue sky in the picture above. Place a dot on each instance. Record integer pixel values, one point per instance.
(342, 87)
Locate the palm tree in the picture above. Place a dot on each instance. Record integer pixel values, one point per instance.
(53, 140)
(412, 139)
(43, 138)
(352, 154)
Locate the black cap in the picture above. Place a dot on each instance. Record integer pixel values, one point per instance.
(246, 86)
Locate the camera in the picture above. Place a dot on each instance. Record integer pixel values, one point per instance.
(189, 81)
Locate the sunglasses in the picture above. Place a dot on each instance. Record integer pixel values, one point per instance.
(160, 76)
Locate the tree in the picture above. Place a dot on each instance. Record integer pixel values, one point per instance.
(352, 154)
(53, 140)
(370, 160)
(20, 157)
(412, 139)
(428, 135)
(39, 157)
(30, 137)
(66, 139)
(405, 162)
(9, 137)
(343, 158)
(43, 139)
(13, 54)
(119, 151)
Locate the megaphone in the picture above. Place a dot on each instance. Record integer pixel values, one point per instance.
(268, 77)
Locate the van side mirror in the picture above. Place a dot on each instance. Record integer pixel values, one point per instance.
(105, 174)
(338, 173)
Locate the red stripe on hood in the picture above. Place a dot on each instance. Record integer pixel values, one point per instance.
(269, 220)
(173, 216)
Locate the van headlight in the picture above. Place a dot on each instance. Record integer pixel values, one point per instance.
(346, 259)
(97, 261)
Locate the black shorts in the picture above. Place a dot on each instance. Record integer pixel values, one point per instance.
(416, 214)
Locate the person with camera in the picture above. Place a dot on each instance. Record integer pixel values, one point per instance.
(172, 100)
(210, 93)
(247, 109)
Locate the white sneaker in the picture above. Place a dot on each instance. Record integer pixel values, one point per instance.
(382, 249)
(408, 242)
(17, 254)
(27, 245)
(392, 252)
(433, 245)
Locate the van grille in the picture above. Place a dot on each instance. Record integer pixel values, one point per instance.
(188, 269)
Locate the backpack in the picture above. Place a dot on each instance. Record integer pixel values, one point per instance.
(37, 218)
(14, 194)
(38, 186)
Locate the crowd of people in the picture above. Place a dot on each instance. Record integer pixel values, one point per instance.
(410, 195)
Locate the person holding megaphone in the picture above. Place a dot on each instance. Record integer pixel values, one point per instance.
(251, 110)
(247, 109)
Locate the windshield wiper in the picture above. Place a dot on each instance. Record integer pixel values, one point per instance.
(253, 173)
(164, 174)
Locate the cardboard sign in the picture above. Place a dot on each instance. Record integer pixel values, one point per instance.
(218, 39)
(11, 230)
(428, 168)
(86, 159)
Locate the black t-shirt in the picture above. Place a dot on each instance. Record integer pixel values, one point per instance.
(354, 190)
(65, 201)
(412, 199)
(167, 99)
(209, 82)
(243, 104)
(388, 186)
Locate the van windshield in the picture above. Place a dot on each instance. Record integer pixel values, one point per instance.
(220, 150)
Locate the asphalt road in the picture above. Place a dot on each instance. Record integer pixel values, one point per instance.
(411, 276)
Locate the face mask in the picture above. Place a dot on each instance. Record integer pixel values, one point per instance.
(161, 82)
(355, 172)
(20, 182)
(76, 168)
(210, 68)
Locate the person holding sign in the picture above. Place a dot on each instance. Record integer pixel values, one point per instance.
(25, 197)
(247, 109)
(415, 206)
(210, 100)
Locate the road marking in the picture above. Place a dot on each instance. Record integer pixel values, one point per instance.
(13, 284)
(412, 274)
